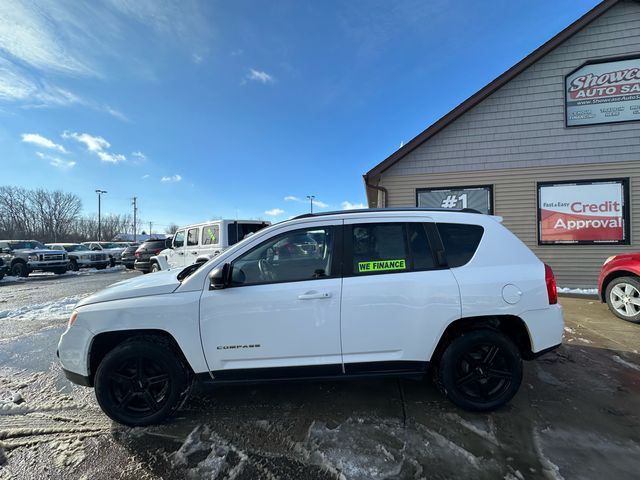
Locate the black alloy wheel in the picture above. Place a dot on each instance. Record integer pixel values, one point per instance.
(140, 383)
(481, 370)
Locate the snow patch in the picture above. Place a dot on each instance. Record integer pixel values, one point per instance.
(55, 310)
(622, 361)
(578, 291)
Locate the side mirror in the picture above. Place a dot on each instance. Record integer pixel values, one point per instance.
(219, 277)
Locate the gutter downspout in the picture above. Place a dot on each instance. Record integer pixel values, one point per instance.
(384, 191)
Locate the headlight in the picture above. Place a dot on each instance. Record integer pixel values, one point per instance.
(609, 259)
(33, 257)
(73, 317)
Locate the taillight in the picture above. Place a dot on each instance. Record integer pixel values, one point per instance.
(156, 252)
(552, 288)
(137, 254)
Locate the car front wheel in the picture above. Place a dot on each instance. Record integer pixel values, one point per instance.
(155, 267)
(480, 370)
(623, 298)
(141, 382)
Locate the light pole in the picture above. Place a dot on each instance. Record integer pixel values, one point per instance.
(99, 192)
(311, 197)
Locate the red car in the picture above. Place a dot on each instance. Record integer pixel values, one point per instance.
(619, 285)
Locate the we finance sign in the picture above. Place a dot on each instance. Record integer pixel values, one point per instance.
(585, 212)
(603, 93)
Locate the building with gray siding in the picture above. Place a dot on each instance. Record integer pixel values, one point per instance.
(552, 146)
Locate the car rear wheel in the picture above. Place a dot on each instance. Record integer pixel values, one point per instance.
(141, 382)
(480, 370)
(623, 298)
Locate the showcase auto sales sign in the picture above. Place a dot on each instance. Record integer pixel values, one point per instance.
(581, 213)
(603, 93)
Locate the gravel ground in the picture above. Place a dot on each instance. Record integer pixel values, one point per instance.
(576, 415)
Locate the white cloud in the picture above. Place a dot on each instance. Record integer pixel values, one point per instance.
(197, 58)
(31, 35)
(145, 176)
(274, 212)
(291, 198)
(139, 155)
(352, 206)
(320, 204)
(41, 141)
(93, 144)
(111, 157)
(172, 179)
(97, 145)
(259, 76)
(56, 161)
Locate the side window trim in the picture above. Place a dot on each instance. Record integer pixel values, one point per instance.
(437, 247)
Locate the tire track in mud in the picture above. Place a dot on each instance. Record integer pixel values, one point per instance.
(34, 413)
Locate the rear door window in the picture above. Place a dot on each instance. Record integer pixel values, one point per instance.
(192, 237)
(460, 241)
(379, 248)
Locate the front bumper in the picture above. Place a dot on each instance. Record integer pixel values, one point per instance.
(142, 265)
(33, 265)
(91, 263)
(73, 351)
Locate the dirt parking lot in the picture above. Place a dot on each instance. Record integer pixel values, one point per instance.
(576, 416)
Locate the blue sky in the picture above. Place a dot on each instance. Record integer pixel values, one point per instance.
(211, 109)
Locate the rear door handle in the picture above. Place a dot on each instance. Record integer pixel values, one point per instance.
(314, 295)
(194, 253)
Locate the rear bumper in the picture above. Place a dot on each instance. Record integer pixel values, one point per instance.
(546, 327)
(143, 266)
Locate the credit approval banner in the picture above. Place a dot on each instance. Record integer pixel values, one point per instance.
(585, 212)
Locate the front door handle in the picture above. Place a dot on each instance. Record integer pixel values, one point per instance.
(314, 295)
(194, 253)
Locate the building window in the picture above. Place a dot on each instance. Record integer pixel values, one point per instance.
(477, 197)
(587, 212)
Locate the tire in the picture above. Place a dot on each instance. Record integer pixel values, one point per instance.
(136, 376)
(1, 276)
(480, 370)
(100, 267)
(60, 271)
(129, 266)
(623, 298)
(155, 267)
(73, 266)
(20, 269)
(112, 262)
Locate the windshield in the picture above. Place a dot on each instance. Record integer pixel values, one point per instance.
(109, 245)
(30, 244)
(75, 248)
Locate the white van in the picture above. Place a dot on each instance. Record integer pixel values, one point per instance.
(203, 241)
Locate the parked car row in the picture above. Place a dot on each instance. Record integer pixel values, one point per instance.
(19, 258)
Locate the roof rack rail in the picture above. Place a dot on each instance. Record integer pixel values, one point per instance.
(396, 209)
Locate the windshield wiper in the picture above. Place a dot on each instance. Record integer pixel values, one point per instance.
(188, 271)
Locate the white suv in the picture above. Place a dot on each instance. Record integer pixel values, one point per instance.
(201, 242)
(370, 292)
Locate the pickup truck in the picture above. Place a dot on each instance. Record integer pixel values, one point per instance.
(27, 256)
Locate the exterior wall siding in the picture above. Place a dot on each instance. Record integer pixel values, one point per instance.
(522, 124)
(515, 199)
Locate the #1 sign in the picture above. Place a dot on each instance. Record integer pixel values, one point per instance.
(591, 212)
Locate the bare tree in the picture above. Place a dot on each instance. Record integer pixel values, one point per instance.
(171, 229)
